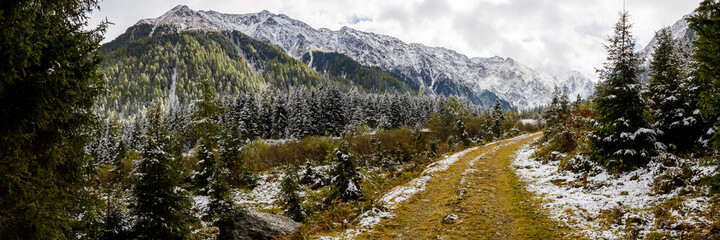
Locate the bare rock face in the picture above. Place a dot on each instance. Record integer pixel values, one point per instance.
(248, 224)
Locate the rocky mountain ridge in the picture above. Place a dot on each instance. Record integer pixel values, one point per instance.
(437, 70)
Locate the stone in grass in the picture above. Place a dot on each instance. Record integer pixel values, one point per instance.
(450, 219)
(248, 224)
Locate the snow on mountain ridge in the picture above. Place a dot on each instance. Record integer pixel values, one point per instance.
(681, 32)
(438, 70)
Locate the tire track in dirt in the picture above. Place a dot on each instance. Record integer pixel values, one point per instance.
(477, 197)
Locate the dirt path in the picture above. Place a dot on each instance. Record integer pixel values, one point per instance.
(478, 197)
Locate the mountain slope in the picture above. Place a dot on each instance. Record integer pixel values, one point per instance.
(684, 37)
(340, 65)
(438, 70)
(681, 32)
(166, 66)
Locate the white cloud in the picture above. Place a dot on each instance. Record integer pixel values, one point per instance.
(554, 35)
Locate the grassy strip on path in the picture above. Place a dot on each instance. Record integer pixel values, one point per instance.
(478, 197)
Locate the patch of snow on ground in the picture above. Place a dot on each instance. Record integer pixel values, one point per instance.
(368, 219)
(200, 204)
(267, 191)
(264, 195)
(402, 193)
(579, 205)
(528, 121)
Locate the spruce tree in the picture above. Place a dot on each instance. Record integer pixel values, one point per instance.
(207, 130)
(498, 117)
(291, 200)
(113, 226)
(623, 138)
(219, 191)
(706, 23)
(333, 115)
(48, 84)
(670, 102)
(279, 118)
(243, 173)
(555, 114)
(556, 133)
(248, 118)
(162, 206)
(346, 178)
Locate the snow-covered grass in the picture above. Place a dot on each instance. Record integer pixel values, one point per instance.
(264, 195)
(602, 205)
(529, 121)
(267, 191)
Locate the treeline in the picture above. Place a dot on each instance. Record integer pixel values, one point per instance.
(302, 112)
(628, 123)
(324, 110)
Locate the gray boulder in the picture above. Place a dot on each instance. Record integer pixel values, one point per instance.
(248, 224)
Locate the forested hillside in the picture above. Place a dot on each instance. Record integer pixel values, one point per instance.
(167, 66)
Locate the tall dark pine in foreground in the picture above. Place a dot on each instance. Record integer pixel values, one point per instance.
(48, 83)
(706, 23)
(162, 206)
(623, 138)
(671, 97)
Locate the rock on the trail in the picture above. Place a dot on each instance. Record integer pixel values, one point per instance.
(450, 218)
(248, 224)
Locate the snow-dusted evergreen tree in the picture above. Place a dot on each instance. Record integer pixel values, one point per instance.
(178, 121)
(370, 106)
(557, 133)
(297, 113)
(670, 97)
(264, 115)
(291, 200)
(455, 114)
(555, 114)
(333, 117)
(498, 117)
(309, 112)
(623, 138)
(358, 116)
(219, 191)
(108, 146)
(707, 26)
(113, 221)
(162, 206)
(345, 176)
(134, 135)
(207, 130)
(230, 157)
(279, 118)
(247, 116)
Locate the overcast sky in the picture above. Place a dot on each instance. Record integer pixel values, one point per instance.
(551, 35)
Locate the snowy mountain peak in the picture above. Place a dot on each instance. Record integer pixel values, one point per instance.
(439, 70)
(679, 31)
